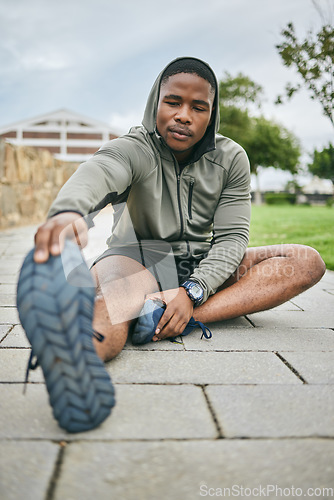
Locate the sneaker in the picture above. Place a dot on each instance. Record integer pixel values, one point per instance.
(57, 318)
(149, 317)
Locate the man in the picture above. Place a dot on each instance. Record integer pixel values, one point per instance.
(181, 194)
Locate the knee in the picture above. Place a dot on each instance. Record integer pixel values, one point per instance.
(311, 263)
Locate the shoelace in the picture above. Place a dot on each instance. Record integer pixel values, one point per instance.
(33, 364)
(206, 332)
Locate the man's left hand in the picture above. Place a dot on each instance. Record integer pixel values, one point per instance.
(179, 309)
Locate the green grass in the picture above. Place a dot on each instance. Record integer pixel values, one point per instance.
(313, 226)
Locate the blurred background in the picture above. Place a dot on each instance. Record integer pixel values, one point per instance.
(99, 58)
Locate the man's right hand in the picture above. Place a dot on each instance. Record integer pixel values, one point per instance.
(50, 236)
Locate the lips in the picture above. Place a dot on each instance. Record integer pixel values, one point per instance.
(180, 133)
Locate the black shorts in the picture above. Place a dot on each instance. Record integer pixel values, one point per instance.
(157, 256)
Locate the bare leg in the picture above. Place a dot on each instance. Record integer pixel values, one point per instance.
(266, 277)
(122, 284)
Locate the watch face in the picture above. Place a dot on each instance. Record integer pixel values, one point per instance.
(196, 291)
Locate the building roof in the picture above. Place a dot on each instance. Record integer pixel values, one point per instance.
(60, 115)
(66, 134)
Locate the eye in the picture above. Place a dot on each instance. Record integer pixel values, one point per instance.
(196, 108)
(172, 103)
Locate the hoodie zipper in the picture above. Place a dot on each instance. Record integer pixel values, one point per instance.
(190, 197)
(178, 176)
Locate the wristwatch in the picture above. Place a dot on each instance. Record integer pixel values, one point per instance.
(194, 290)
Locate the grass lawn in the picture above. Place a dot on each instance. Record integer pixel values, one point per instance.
(313, 226)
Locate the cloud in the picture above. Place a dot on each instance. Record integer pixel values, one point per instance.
(100, 57)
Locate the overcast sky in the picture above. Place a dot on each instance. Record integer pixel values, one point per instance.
(100, 57)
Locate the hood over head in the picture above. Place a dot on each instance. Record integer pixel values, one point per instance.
(208, 142)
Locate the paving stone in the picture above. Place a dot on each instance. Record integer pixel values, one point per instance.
(29, 415)
(13, 365)
(9, 278)
(314, 367)
(7, 299)
(17, 233)
(273, 411)
(19, 249)
(315, 300)
(233, 323)
(293, 319)
(3, 246)
(4, 329)
(9, 315)
(10, 265)
(170, 367)
(156, 346)
(17, 252)
(141, 412)
(262, 339)
(327, 278)
(8, 289)
(16, 338)
(162, 437)
(159, 412)
(185, 470)
(26, 469)
(8, 271)
(200, 368)
(162, 411)
(287, 306)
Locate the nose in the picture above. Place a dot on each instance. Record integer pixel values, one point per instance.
(183, 114)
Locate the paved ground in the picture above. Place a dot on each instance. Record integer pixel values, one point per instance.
(251, 410)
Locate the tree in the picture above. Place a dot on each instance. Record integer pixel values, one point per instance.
(323, 163)
(271, 145)
(236, 95)
(267, 143)
(313, 59)
(239, 91)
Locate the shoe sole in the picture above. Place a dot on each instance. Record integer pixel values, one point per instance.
(149, 318)
(57, 318)
(146, 324)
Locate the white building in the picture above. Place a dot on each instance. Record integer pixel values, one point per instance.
(318, 186)
(67, 135)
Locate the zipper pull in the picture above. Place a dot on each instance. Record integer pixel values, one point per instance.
(190, 197)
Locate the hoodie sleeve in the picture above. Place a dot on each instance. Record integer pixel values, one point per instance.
(230, 229)
(105, 178)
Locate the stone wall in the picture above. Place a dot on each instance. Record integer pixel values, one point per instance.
(29, 181)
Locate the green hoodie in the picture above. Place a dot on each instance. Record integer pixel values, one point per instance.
(203, 209)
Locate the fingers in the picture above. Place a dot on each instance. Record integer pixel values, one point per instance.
(50, 236)
(171, 324)
(42, 238)
(179, 308)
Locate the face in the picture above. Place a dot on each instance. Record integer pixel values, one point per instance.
(184, 112)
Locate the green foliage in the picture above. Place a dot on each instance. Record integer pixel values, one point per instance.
(271, 145)
(280, 198)
(293, 186)
(313, 59)
(267, 143)
(313, 226)
(239, 91)
(236, 124)
(323, 163)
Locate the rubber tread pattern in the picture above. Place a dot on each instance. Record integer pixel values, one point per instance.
(57, 318)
